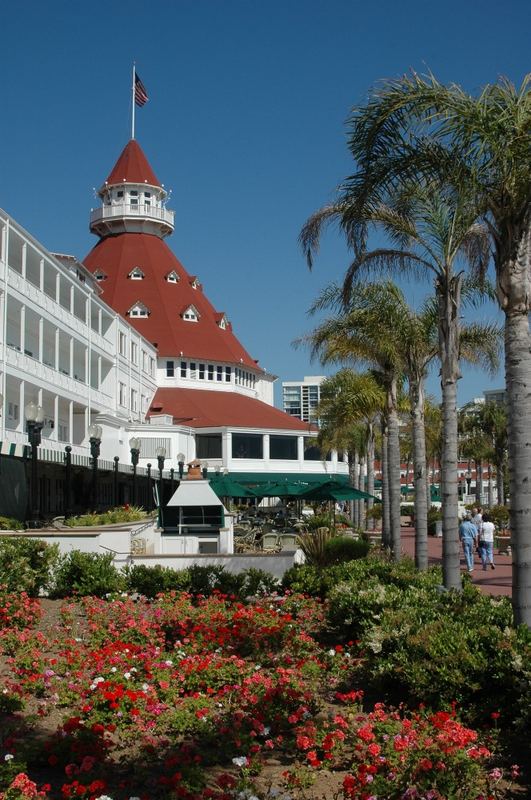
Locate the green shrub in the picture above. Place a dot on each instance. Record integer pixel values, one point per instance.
(254, 582)
(84, 574)
(375, 512)
(210, 578)
(115, 515)
(306, 579)
(26, 564)
(326, 521)
(339, 549)
(500, 516)
(10, 524)
(150, 581)
(313, 544)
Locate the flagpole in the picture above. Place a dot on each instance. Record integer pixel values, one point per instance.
(133, 104)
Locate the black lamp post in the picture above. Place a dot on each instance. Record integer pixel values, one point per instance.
(180, 462)
(172, 480)
(160, 452)
(68, 481)
(34, 423)
(134, 446)
(115, 480)
(148, 467)
(468, 478)
(94, 433)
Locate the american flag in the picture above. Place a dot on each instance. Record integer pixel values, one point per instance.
(141, 96)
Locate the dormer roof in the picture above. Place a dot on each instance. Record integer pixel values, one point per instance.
(132, 167)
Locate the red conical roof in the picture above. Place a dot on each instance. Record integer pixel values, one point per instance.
(133, 167)
(166, 301)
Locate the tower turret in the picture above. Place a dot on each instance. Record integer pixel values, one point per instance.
(133, 200)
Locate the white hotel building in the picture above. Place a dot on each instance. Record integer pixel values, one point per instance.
(128, 339)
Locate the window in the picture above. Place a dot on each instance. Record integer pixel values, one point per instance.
(247, 445)
(183, 369)
(133, 197)
(193, 373)
(136, 274)
(170, 370)
(100, 275)
(12, 411)
(191, 314)
(120, 193)
(134, 400)
(151, 366)
(147, 198)
(283, 447)
(121, 393)
(201, 372)
(144, 361)
(134, 353)
(210, 372)
(194, 283)
(208, 445)
(122, 344)
(222, 322)
(227, 374)
(139, 310)
(172, 277)
(219, 373)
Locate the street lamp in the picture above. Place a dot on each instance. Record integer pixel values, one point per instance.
(468, 478)
(115, 480)
(134, 446)
(34, 424)
(160, 452)
(95, 432)
(204, 470)
(172, 480)
(180, 462)
(148, 467)
(68, 481)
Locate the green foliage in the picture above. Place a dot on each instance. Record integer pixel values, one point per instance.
(500, 516)
(10, 524)
(254, 582)
(83, 574)
(305, 579)
(313, 545)
(344, 548)
(115, 515)
(26, 564)
(326, 521)
(375, 512)
(150, 581)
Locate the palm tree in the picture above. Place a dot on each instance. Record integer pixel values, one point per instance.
(493, 418)
(366, 332)
(350, 404)
(480, 148)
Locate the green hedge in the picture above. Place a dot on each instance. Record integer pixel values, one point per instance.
(26, 564)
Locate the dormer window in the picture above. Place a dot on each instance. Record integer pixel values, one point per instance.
(191, 314)
(194, 283)
(172, 277)
(138, 310)
(223, 322)
(100, 275)
(136, 274)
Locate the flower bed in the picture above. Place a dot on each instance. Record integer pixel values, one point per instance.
(211, 698)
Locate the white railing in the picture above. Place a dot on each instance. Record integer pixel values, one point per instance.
(127, 210)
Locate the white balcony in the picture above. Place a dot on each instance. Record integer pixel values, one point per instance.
(140, 218)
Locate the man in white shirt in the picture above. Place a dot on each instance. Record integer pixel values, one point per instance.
(486, 542)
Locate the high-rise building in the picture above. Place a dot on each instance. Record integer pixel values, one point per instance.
(301, 398)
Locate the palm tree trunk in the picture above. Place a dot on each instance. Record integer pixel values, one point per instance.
(370, 475)
(386, 517)
(479, 482)
(449, 297)
(490, 488)
(500, 475)
(418, 435)
(361, 486)
(356, 484)
(518, 383)
(353, 473)
(393, 468)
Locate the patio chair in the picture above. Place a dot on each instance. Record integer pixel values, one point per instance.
(270, 541)
(289, 541)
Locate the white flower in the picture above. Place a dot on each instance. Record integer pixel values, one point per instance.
(127, 675)
(240, 761)
(8, 757)
(169, 663)
(331, 652)
(257, 666)
(113, 669)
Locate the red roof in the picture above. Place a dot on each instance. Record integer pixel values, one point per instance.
(205, 339)
(132, 166)
(201, 408)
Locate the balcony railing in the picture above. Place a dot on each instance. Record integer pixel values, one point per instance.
(126, 210)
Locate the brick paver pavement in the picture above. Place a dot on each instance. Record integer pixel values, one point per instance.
(493, 581)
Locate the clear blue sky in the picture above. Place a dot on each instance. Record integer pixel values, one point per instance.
(245, 123)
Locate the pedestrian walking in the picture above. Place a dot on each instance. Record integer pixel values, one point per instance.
(486, 542)
(469, 535)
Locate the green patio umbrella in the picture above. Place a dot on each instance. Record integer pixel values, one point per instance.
(335, 490)
(225, 486)
(286, 488)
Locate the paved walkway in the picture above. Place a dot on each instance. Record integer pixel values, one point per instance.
(493, 581)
